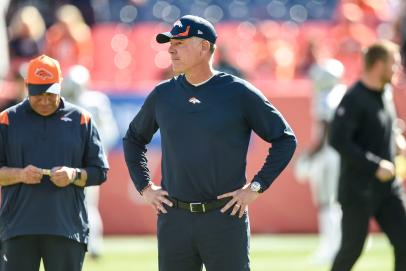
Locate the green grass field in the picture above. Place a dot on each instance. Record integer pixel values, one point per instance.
(268, 253)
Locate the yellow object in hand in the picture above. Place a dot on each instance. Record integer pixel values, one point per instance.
(400, 165)
(46, 172)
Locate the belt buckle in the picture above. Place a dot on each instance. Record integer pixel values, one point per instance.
(194, 205)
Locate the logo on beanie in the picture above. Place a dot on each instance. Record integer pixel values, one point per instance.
(43, 74)
(178, 23)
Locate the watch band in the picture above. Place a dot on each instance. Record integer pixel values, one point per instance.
(78, 174)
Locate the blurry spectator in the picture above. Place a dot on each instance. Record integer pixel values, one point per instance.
(16, 88)
(4, 54)
(308, 58)
(283, 55)
(400, 84)
(86, 8)
(26, 35)
(348, 39)
(224, 64)
(362, 131)
(320, 164)
(75, 89)
(69, 39)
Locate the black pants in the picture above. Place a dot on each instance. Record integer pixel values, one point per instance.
(187, 240)
(24, 253)
(389, 212)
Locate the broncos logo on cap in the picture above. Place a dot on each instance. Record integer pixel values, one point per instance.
(43, 74)
(178, 23)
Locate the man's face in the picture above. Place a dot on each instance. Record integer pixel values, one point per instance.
(45, 104)
(185, 53)
(391, 66)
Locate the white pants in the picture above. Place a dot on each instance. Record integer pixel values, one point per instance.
(329, 217)
(95, 221)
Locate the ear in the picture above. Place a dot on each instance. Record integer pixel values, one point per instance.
(205, 46)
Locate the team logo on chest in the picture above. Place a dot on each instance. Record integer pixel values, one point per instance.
(194, 100)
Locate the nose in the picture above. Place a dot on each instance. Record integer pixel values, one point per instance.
(44, 100)
(171, 49)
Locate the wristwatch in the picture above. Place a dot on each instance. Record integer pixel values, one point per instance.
(78, 176)
(256, 187)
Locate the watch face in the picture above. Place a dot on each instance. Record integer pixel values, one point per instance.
(78, 174)
(255, 186)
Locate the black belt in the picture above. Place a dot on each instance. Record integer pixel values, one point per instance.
(199, 207)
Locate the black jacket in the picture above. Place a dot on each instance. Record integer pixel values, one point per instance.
(362, 132)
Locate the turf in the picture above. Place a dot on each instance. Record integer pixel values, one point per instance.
(268, 253)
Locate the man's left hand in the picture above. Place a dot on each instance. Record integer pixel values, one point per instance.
(400, 145)
(62, 176)
(241, 198)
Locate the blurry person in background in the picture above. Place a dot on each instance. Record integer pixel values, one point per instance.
(309, 55)
(320, 165)
(69, 39)
(17, 90)
(76, 90)
(86, 8)
(348, 38)
(26, 36)
(4, 53)
(363, 132)
(224, 63)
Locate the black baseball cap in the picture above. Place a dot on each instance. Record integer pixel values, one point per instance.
(189, 26)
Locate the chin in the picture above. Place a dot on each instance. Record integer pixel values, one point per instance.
(177, 69)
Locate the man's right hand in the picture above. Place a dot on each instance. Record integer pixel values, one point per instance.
(385, 171)
(155, 196)
(30, 175)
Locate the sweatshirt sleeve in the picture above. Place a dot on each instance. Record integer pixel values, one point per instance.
(139, 134)
(268, 123)
(347, 118)
(94, 161)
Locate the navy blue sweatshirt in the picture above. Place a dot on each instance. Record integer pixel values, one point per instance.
(65, 138)
(205, 132)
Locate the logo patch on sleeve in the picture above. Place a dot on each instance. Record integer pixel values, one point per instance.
(4, 118)
(340, 111)
(85, 118)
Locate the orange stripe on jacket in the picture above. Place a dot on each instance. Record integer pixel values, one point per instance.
(85, 118)
(4, 118)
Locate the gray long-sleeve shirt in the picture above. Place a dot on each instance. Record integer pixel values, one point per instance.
(205, 133)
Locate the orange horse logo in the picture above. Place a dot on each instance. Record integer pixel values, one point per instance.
(43, 74)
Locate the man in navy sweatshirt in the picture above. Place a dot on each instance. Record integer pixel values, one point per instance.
(49, 151)
(205, 120)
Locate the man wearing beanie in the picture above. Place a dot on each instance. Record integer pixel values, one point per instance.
(205, 119)
(49, 151)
